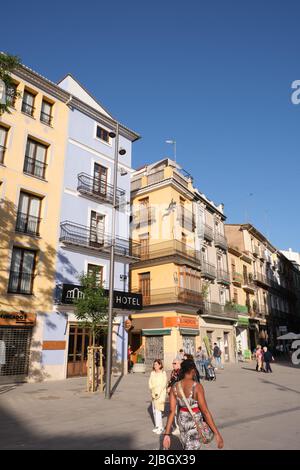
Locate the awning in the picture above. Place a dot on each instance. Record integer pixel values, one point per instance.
(189, 332)
(243, 321)
(157, 332)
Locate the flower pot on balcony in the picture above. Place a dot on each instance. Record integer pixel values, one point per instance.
(139, 368)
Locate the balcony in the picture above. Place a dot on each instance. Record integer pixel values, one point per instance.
(28, 224)
(97, 189)
(256, 251)
(34, 167)
(237, 278)
(20, 283)
(81, 236)
(261, 310)
(213, 309)
(2, 152)
(185, 218)
(261, 279)
(208, 270)
(143, 216)
(221, 241)
(170, 295)
(169, 248)
(223, 276)
(28, 109)
(46, 118)
(248, 284)
(208, 233)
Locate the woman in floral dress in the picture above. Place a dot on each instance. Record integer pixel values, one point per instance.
(194, 394)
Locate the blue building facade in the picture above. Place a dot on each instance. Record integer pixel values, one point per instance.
(85, 228)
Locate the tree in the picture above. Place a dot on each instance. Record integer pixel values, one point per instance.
(92, 308)
(8, 63)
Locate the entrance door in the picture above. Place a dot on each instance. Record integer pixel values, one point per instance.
(226, 347)
(14, 353)
(100, 180)
(189, 344)
(144, 287)
(154, 349)
(97, 229)
(79, 340)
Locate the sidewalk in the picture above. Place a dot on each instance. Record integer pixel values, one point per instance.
(253, 411)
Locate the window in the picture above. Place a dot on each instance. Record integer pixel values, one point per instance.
(97, 271)
(235, 296)
(21, 271)
(144, 287)
(102, 134)
(35, 159)
(144, 244)
(3, 140)
(46, 112)
(28, 103)
(11, 93)
(28, 218)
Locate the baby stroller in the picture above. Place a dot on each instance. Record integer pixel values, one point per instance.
(210, 373)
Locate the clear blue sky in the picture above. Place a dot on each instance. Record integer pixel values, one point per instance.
(215, 76)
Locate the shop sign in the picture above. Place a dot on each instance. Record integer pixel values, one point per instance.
(17, 318)
(243, 321)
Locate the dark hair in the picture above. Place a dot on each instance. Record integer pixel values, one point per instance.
(186, 366)
(180, 350)
(158, 362)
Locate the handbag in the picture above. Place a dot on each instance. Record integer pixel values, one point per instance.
(205, 433)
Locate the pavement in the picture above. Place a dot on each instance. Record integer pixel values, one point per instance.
(252, 410)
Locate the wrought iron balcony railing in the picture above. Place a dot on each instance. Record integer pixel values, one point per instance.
(20, 282)
(248, 283)
(46, 118)
(208, 232)
(167, 248)
(27, 108)
(221, 241)
(34, 167)
(86, 237)
(143, 216)
(170, 295)
(256, 251)
(186, 218)
(215, 309)
(2, 152)
(262, 279)
(27, 224)
(223, 276)
(94, 187)
(208, 270)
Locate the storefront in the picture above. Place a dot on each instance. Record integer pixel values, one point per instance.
(242, 335)
(15, 341)
(220, 331)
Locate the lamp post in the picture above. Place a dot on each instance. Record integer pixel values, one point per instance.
(173, 142)
(112, 135)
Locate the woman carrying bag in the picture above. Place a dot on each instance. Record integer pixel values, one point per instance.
(158, 386)
(195, 421)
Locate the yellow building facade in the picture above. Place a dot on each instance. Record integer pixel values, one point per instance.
(32, 150)
(183, 269)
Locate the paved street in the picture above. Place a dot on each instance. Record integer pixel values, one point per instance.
(253, 411)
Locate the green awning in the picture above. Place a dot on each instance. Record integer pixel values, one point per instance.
(189, 332)
(157, 332)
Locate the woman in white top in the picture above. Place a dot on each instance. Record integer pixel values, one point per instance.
(158, 387)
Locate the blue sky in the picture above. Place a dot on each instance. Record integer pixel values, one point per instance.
(216, 76)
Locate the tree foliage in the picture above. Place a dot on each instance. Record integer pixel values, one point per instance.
(8, 63)
(92, 309)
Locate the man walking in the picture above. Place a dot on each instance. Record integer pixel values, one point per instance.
(217, 353)
(267, 359)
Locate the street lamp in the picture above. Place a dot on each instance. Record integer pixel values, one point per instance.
(112, 135)
(172, 142)
(2, 92)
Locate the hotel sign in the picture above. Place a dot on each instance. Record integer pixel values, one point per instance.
(123, 300)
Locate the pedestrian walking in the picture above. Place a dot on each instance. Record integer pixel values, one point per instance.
(259, 358)
(174, 377)
(200, 360)
(195, 421)
(267, 357)
(180, 355)
(158, 387)
(217, 353)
